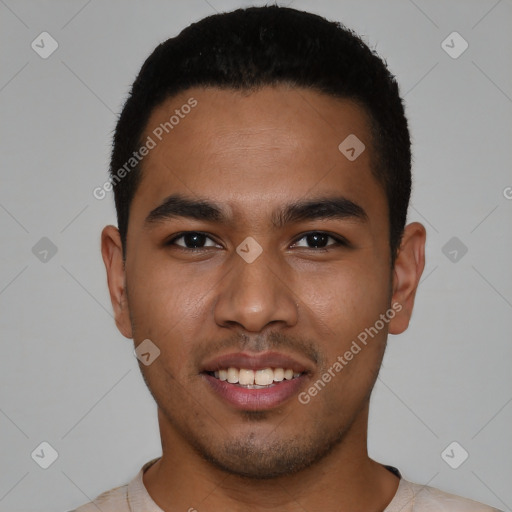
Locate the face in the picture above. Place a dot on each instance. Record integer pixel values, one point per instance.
(280, 273)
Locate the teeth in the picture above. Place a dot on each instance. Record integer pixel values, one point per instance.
(288, 374)
(255, 378)
(232, 376)
(278, 374)
(264, 377)
(246, 377)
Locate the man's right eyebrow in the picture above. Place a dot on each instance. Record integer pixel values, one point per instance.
(177, 205)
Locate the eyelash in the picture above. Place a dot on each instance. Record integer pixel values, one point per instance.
(339, 241)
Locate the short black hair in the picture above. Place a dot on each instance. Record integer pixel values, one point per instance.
(250, 48)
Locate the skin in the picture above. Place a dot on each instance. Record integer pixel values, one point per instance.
(252, 153)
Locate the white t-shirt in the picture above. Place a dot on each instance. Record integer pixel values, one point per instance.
(409, 497)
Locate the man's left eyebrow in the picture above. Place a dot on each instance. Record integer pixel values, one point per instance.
(337, 207)
(330, 207)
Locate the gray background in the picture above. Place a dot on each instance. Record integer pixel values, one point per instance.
(68, 377)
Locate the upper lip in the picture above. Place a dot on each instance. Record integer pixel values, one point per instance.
(253, 361)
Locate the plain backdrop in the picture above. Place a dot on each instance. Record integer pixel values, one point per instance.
(69, 378)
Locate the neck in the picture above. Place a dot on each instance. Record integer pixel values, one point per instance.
(344, 480)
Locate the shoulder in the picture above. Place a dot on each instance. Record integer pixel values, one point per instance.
(114, 500)
(124, 498)
(430, 499)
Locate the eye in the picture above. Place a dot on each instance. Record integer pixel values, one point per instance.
(191, 240)
(320, 238)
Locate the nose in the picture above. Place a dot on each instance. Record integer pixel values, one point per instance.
(255, 294)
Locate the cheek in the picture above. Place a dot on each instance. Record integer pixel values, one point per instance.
(168, 302)
(346, 299)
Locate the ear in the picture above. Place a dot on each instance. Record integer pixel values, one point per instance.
(112, 253)
(409, 265)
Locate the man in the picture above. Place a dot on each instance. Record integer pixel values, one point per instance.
(261, 172)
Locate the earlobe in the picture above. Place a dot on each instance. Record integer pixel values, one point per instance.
(112, 254)
(409, 265)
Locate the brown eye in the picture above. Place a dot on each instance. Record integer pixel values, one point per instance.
(191, 240)
(319, 240)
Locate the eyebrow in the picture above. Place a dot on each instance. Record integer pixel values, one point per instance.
(329, 207)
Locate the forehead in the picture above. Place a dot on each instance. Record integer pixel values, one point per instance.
(250, 150)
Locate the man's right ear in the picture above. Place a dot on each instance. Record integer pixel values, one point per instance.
(112, 253)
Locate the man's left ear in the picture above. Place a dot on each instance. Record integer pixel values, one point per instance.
(409, 265)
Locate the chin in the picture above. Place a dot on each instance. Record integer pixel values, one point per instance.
(261, 459)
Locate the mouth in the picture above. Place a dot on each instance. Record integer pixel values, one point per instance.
(255, 382)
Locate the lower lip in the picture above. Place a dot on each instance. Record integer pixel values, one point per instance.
(255, 399)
